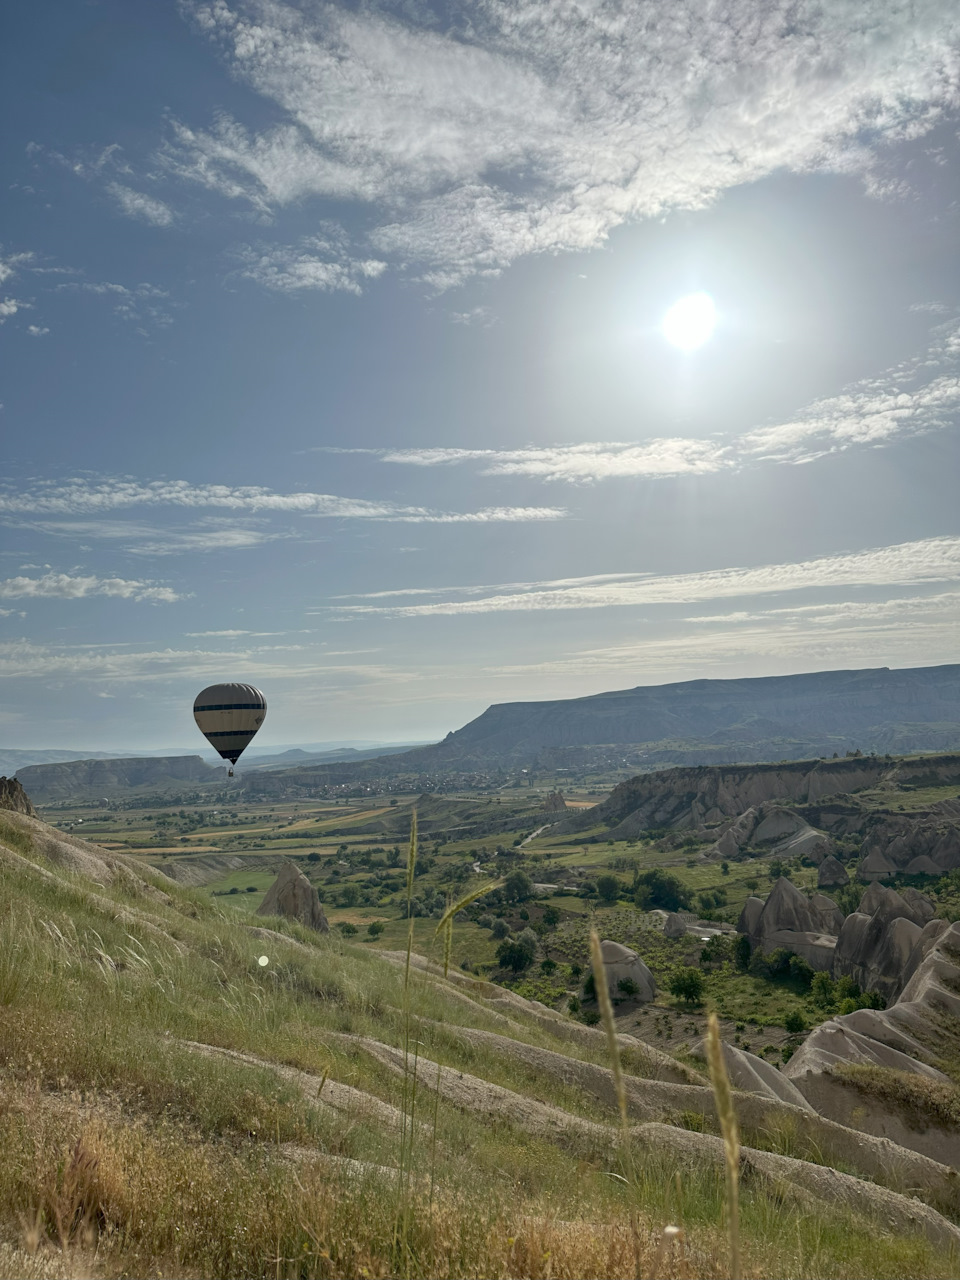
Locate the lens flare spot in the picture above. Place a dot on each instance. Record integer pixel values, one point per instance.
(690, 321)
(263, 961)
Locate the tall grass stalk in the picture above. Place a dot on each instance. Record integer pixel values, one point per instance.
(409, 1096)
(446, 920)
(445, 927)
(727, 1116)
(606, 1014)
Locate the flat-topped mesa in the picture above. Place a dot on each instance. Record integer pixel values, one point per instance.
(14, 798)
(293, 896)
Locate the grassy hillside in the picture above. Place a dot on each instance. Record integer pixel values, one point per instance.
(182, 1095)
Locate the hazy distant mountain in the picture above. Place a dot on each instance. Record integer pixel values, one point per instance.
(876, 709)
(694, 722)
(48, 783)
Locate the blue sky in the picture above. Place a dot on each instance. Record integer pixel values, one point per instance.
(335, 359)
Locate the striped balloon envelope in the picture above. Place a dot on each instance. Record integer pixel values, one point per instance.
(228, 716)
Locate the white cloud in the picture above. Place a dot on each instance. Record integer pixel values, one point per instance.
(211, 534)
(593, 461)
(315, 263)
(929, 560)
(138, 205)
(919, 396)
(63, 586)
(37, 331)
(906, 632)
(9, 307)
(12, 263)
(25, 659)
(93, 497)
(530, 127)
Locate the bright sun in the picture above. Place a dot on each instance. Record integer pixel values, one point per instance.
(690, 321)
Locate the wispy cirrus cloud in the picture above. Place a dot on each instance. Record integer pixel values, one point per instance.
(894, 632)
(500, 130)
(909, 563)
(208, 535)
(64, 586)
(143, 305)
(26, 659)
(82, 496)
(137, 204)
(918, 396)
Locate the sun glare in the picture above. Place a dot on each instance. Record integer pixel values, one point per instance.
(690, 321)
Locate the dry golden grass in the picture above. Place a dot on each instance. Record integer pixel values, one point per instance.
(927, 1101)
(124, 1154)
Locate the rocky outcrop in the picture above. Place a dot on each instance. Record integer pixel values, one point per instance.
(554, 803)
(91, 779)
(898, 842)
(908, 1040)
(691, 799)
(620, 964)
(30, 838)
(772, 829)
(674, 926)
(789, 919)
(876, 942)
(14, 798)
(754, 1075)
(292, 895)
(832, 874)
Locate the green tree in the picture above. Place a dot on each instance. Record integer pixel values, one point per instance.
(658, 888)
(821, 988)
(687, 984)
(518, 887)
(551, 917)
(741, 952)
(608, 888)
(375, 928)
(795, 1022)
(513, 955)
(500, 928)
(349, 895)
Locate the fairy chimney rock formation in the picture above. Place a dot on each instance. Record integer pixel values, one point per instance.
(292, 895)
(620, 964)
(13, 796)
(832, 874)
(554, 803)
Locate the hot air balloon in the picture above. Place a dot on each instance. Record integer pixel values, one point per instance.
(228, 716)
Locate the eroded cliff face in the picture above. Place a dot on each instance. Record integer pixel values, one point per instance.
(14, 798)
(917, 844)
(688, 799)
